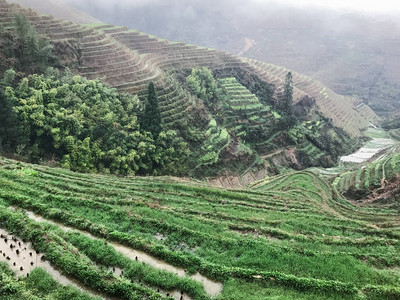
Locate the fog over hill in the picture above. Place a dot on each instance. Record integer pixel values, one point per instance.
(352, 50)
(58, 9)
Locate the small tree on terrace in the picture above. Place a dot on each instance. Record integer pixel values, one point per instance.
(151, 120)
(288, 94)
(287, 106)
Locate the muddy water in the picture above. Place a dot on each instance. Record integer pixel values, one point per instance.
(22, 259)
(211, 287)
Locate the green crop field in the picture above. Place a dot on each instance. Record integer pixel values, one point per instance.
(289, 236)
(371, 176)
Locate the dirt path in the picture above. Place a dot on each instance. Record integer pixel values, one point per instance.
(248, 43)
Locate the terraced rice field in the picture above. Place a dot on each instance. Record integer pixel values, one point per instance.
(128, 60)
(134, 238)
(346, 112)
(379, 141)
(374, 175)
(243, 107)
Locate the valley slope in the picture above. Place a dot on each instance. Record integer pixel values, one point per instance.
(129, 60)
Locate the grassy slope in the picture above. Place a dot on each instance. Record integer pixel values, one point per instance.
(288, 235)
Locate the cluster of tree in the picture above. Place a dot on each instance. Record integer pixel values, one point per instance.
(202, 84)
(391, 123)
(22, 48)
(86, 125)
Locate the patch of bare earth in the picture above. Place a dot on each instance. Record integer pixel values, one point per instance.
(387, 190)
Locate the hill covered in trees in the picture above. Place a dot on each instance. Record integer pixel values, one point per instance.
(227, 113)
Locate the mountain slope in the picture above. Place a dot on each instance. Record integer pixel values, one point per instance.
(128, 60)
(223, 137)
(352, 52)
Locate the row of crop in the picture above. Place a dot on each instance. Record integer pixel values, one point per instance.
(99, 190)
(153, 190)
(370, 176)
(379, 217)
(212, 270)
(106, 207)
(63, 256)
(282, 234)
(164, 227)
(38, 286)
(104, 254)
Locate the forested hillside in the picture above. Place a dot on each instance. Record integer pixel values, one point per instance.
(112, 143)
(224, 113)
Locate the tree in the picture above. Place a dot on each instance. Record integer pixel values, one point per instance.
(288, 94)
(87, 126)
(287, 106)
(202, 84)
(151, 120)
(170, 154)
(24, 49)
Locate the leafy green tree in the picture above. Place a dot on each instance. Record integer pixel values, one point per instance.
(8, 78)
(87, 126)
(288, 119)
(23, 48)
(288, 94)
(151, 120)
(171, 154)
(202, 84)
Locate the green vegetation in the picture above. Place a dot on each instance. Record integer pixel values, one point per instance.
(245, 114)
(287, 105)
(84, 124)
(376, 175)
(193, 111)
(38, 286)
(151, 120)
(22, 48)
(190, 96)
(202, 84)
(292, 231)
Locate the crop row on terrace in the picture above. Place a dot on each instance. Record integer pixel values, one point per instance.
(341, 109)
(370, 177)
(220, 233)
(245, 110)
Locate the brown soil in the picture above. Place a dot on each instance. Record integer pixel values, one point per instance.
(387, 190)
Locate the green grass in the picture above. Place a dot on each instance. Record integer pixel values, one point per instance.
(38, 286)
(376, 133)
(370, 177)
(293, 228)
